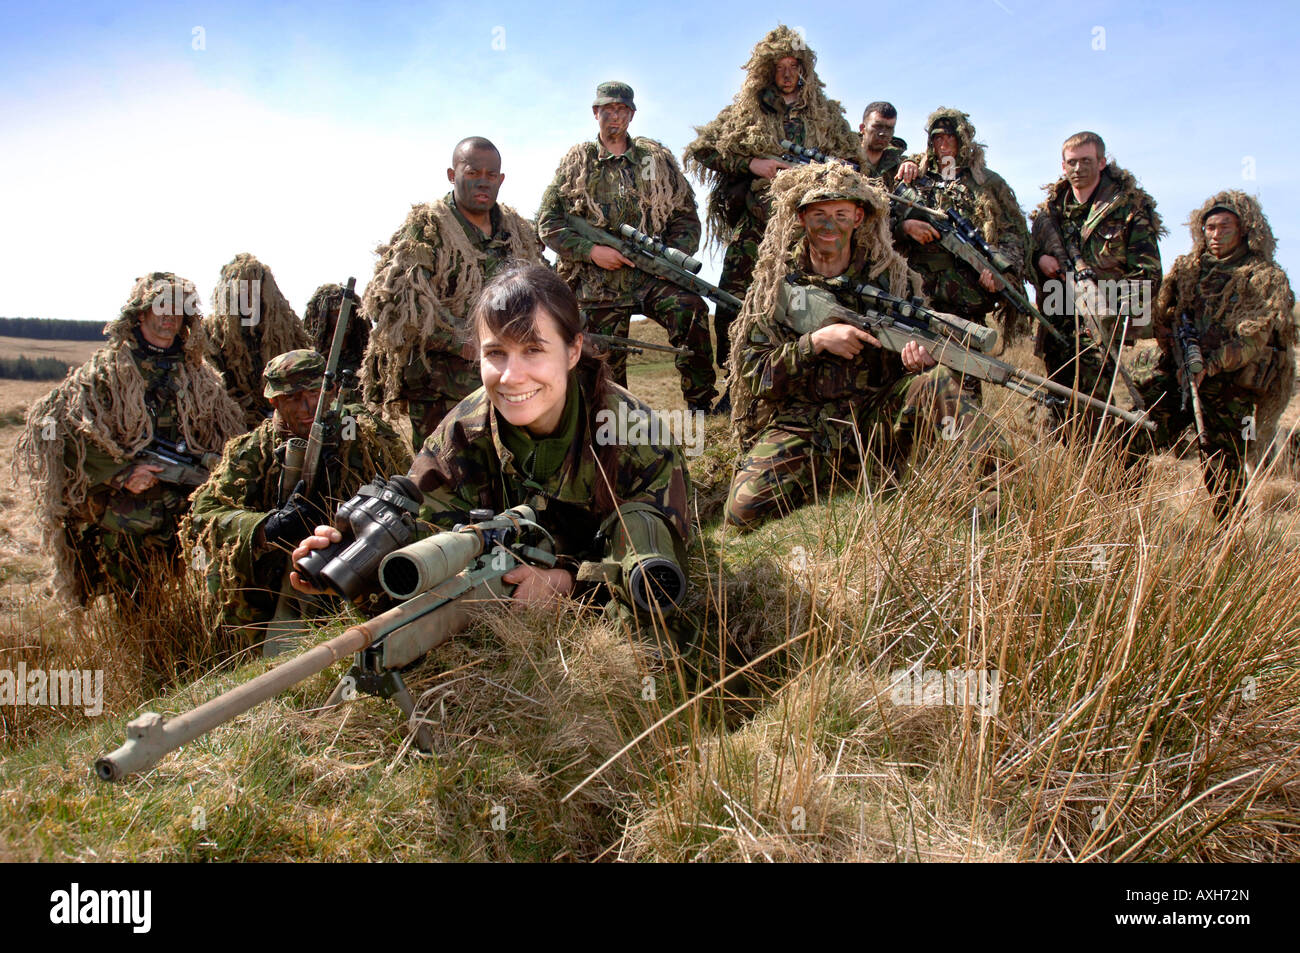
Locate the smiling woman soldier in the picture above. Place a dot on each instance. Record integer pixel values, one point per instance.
(529, 436)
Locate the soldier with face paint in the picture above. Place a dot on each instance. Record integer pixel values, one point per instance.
(1239, 304)
(108, 520)
(425, 281)
(807, 385)
(737, 154)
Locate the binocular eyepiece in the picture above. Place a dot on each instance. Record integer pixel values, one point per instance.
(378, 520)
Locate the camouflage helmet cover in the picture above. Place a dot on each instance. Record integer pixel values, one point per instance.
(293, 371)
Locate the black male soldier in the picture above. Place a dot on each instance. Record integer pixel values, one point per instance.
(1231, 297)
(425, 280)
(237, 520)
(620, 180)
(1097, 217)
(738, 153)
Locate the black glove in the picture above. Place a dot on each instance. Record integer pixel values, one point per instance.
(292, 522)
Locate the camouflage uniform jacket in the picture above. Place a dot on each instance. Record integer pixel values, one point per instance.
(804, 392)
(991, 207)
(1238, 335)
(613, 184)
(886, 169)
(1116, 230)
(437, 367)
(244, 489)
(465, 465)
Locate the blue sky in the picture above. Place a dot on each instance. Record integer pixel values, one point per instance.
(173, 136)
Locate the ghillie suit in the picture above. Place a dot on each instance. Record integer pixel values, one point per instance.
(752, 127)
(243, 577)
(1117, 233)
(965, 183)
(645, 188)
(796, 410)
(425, 282)
(81, 438)
(322, 315)
(1241, 307)
(251, 322)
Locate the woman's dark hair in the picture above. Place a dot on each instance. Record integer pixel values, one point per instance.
(507, 308)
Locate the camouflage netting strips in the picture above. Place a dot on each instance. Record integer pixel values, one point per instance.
(745, 129)
(426, 278)
(102, 404)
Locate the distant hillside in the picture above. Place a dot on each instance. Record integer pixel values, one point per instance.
(50, 329)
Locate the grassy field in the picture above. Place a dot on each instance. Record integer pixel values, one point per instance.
(1140, 697)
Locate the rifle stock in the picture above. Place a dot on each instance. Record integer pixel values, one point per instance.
(476, 557)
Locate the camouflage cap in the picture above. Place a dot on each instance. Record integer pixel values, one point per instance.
(614, 92)
(1219, 208)
(293, 371)
(943, 124)
(822, 193)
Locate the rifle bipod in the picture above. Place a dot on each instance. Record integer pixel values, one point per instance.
(367, 676)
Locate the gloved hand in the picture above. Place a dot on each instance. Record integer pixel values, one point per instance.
(292, 522)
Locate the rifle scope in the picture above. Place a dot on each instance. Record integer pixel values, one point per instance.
(416, 568)
(656, 247)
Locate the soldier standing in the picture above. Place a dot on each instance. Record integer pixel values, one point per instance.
(882, 151)
(736, 154)
(1232, 298)
(805, 381)
(238, 517)
(108, 520)
(425, 282)
(251, 322)
(619, 180)
(952, 175)
(1096, 220)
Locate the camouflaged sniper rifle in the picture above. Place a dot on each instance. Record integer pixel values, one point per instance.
(438, 580)
(959, 236)
(1187, 351)
(612, 342)
(302, 460)
(655, 258)
(179, 466)
(804, 155)
(957, 344)
(1083, 305)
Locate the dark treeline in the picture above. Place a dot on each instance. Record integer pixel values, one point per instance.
(50, 329)
(29, 369)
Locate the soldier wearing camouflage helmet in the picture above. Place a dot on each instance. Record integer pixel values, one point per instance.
(738, 153)
(245, 520)
(251, 322)
(108, 520)
(952, 173)
(1240, 305)
(425, 281)
(804, 380)
(621, 180)
(1097, 211)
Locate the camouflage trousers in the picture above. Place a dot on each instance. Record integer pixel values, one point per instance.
(683, 315)
(123, 564)
(431, 394)
(1231, 425)
(738, 263)
(1083, 367)
(426, 413)
(786, 466)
